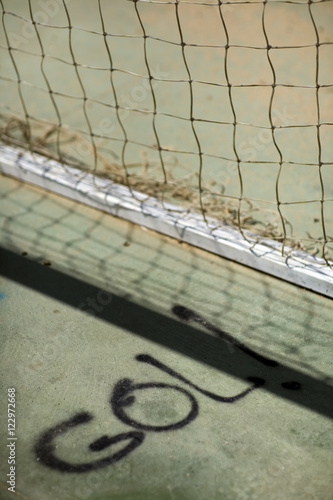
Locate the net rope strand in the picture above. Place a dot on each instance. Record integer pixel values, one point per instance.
(164, 171)
(227, 48)
(270, 114)
(115, 96)
(85, 98)
(318, 124)
(190, 82)
(49, 88)
(18, 81)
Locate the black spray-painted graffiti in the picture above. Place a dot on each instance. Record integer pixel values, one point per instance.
(123, 397)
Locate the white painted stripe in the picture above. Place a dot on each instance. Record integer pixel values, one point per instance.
(299, 267)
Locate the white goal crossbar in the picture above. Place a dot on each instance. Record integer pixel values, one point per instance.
(294, 266)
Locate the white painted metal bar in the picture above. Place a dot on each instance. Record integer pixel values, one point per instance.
(298, 267)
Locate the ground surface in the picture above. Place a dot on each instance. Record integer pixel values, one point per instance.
(83, 294)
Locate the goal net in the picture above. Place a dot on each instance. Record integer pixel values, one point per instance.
(210, 121)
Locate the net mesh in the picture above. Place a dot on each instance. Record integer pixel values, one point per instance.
(225, 107)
